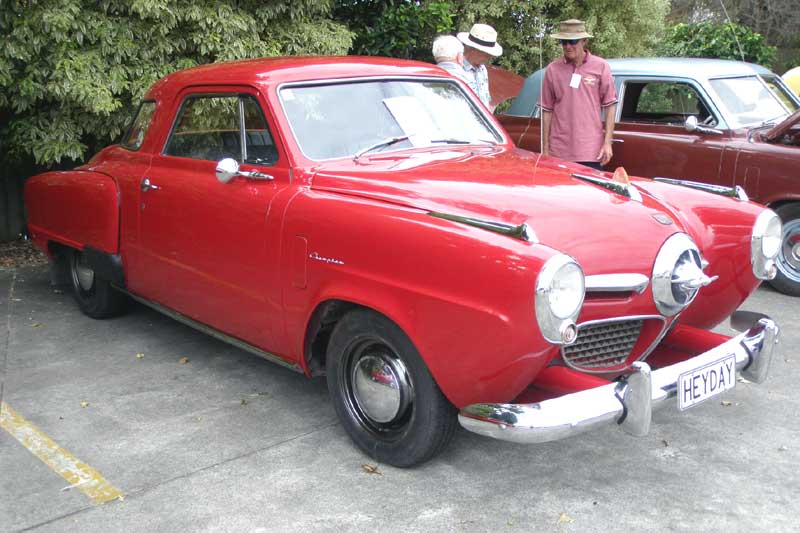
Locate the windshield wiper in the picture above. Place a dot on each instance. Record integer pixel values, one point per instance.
(453, 140)
(382, 144)
(771, 122)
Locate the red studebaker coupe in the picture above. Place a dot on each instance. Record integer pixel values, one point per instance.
(370, 221)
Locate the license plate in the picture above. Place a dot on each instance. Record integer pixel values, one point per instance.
(702, 383)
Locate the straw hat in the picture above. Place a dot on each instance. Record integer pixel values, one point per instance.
(571, 29)
(482, 37)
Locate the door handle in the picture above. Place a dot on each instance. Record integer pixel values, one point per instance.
(617, 140)
(146, 185)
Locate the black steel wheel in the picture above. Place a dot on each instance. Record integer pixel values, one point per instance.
(95, 296)
(384, 394)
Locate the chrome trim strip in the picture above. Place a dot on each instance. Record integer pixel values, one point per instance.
(617, 283)
(626, 403)
(642, 356)
(522, 232)
(629, 191)
(224, 337)
(731, 192)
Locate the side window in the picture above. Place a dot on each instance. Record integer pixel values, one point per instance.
(259, 146)
(135, 136)
(210, 128)
(662, 103)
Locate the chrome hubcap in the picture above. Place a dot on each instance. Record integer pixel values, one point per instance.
(788, 259)
(83, 275)
(380, 387)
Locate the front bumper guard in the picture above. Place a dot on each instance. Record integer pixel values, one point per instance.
(628, 403)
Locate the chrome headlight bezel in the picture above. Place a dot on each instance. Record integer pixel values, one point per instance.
(765, 243)
(557, 319)
(678, 256)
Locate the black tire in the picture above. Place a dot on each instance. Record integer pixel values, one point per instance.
(95, 296)
(411, 421)
(788, 261)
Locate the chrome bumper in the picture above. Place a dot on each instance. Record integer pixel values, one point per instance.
(628, 403)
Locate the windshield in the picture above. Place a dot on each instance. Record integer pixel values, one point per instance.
(346, 119)
(748, 101)
(776, 86)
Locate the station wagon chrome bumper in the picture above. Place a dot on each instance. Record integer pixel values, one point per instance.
(628, 403)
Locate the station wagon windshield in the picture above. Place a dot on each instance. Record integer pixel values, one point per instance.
(749, 101)
(350, 119)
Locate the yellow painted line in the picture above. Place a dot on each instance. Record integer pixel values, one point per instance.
(75, 471)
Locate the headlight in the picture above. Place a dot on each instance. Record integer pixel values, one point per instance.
(560, 289)
(765, 244)
(677, 274)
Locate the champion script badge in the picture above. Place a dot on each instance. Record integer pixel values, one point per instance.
(316, 257)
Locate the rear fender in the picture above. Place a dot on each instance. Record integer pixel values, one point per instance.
(76, 208)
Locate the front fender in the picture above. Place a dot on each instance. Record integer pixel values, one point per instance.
(463, 295)
(722, 228)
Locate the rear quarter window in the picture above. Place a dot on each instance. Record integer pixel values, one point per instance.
(135, 137)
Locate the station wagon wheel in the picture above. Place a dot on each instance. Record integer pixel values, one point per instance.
(95, 296)
(788, 261)
(384, 394)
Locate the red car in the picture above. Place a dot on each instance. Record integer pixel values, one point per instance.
(718, 122)
(370, 221)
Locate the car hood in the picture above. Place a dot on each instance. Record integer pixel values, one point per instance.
(782, 127)
(514, 186)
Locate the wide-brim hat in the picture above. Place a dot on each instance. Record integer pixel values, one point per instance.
(571, 29)
(482, 37)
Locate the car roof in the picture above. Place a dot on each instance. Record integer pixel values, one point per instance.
(684, 66)
(289, 69)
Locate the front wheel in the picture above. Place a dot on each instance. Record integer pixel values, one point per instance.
(95, 296)
(787, 280)
(383, 393)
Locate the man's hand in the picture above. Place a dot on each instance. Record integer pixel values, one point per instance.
(605, 154)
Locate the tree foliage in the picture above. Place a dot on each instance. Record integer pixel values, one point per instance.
(720, 41)
(402, 28)
(395, 28)
(72, 70)
(775, 20)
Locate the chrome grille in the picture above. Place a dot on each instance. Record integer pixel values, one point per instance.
(602, 345)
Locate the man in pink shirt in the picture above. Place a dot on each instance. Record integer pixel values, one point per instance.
(575, 89)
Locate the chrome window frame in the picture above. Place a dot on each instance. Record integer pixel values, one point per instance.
(488, 118)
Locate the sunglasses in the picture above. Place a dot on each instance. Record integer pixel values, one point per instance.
(573, 42)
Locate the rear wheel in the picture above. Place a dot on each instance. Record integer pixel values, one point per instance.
(95, 296)
(383, 393)
(788, 261)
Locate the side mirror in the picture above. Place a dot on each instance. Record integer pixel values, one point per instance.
(228, 168)
(692, 125)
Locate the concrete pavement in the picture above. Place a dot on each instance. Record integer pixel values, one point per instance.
(228, 442)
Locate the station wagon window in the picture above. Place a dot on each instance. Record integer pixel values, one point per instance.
(135, 137)
(343, 119)
(214, 127)
(663, 102)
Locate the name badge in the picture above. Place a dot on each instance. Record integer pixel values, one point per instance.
(575, 82)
